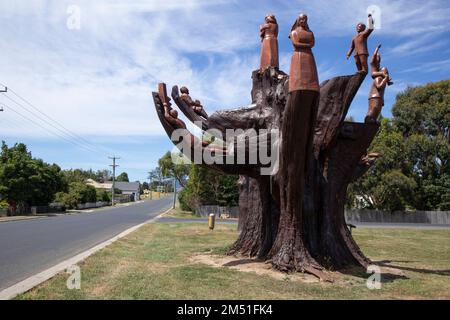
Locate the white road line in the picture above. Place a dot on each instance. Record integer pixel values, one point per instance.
(31, 282)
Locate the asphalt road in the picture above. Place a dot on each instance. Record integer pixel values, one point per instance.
(31, 246)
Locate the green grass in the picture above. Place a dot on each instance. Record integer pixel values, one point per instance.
(153, 263)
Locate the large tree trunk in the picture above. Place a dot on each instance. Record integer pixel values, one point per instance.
(289, 251)
(322, 150)
(258, 218)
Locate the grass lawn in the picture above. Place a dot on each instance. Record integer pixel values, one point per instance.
(154, 263)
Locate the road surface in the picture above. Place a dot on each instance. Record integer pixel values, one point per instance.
(31, 246)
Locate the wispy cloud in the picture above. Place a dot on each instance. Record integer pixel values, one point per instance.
(431, 66)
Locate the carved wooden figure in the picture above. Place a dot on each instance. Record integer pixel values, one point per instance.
(195, 105)
(381, 79)
(303, 71)
(359, 45)
(269, 43)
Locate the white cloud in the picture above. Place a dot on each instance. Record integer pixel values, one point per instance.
(97, 81)
(431, 66)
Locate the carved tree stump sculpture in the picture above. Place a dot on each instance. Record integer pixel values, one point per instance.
(295, 217)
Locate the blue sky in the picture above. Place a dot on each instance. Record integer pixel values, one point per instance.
(97, 80)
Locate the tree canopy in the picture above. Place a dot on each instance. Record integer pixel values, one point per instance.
(79, 192)
(413, 171)
(123, 177)
(170, 169)
(26, 180)
(208, 187)
(81, 175)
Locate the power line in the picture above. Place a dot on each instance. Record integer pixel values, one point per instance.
(47, 129)
(48, 123)
(62, 132)
(61, 128)
(8, 118)
(9, 123)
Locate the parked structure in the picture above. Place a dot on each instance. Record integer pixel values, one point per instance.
(127, 188)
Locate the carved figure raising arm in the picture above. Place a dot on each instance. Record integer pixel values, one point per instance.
(359, 45)
(376, 96)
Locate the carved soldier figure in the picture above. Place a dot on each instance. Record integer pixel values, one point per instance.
(381, 78)
(359, 45)
(303, 71)
(195, 105)
(269, 43)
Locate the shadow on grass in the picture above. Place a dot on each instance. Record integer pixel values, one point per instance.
(358, 272)
(241, 262)
(387, 263)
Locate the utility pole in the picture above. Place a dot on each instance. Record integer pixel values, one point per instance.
(2, 91)
(114, 165)
(150, 183)
(174, 192)
(150, 188)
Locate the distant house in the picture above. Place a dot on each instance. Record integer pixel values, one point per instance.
(127, 188)
(97, 185)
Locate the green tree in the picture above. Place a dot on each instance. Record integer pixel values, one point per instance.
(414, 169)
(123, 177)
(78, 175)
(26, 180)
(208, 187)
(78, 193)
(103, 176)
(422, 116)
(173, 170)
(143, 186)
(156, 178)
(103, 195)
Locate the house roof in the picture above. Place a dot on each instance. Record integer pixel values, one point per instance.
(127, 186)
(123, 186)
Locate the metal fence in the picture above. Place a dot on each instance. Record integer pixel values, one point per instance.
(428, 217)
(220, 212)
(352, 216)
